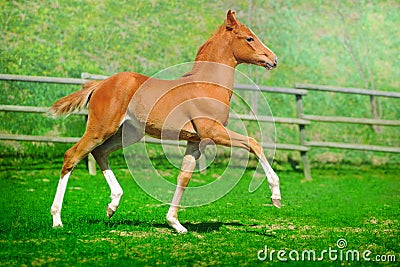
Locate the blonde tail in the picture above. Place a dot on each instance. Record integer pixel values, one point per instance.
(75, 101)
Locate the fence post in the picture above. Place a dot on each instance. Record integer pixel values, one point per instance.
(302, 129)
(202, 163)
(91, 164)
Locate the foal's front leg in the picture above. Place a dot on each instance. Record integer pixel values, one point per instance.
(188, 165)
(223, 136)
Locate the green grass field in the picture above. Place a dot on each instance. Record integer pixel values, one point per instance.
(360, 205)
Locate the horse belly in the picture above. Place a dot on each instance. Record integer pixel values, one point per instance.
(187, 132)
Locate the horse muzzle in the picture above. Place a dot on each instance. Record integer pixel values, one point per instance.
(271, 65)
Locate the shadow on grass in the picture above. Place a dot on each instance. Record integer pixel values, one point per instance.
(194, 227)
(202, 227)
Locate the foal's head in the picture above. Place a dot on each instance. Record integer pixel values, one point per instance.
(246, 46)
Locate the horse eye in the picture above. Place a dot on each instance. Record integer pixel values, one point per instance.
(249, 39)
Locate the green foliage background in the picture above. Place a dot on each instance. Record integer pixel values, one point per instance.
(312, 40)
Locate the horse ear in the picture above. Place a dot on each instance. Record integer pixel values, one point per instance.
(231, 21)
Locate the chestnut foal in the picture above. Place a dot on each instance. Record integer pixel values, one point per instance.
(194, 108)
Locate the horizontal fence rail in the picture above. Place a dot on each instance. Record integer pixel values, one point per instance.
(41, 79)
(33, 109)
(350, 120)
(325, 88)
(354, 146)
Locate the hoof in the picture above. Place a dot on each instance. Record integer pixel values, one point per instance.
(58, 226)
(276, 203)
(180, 229)
(110, 212)
(57, 223)
(183, 231)
(174, 223)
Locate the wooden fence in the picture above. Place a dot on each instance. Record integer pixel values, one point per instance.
(302, 120)
(350, 120)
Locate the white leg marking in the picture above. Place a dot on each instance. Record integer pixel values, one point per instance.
(273, 181)
(172, 215)
(188, 165)
(58, 200)
(172, 220)
(116, 192)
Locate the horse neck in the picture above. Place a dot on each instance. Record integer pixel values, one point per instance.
(217, 49)
(215, 62)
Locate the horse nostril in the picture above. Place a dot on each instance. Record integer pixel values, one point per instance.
(275, 62)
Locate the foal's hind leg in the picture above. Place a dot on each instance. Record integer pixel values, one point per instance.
(71, 159)
(189, 163)
(95, 135)
(101, 154)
